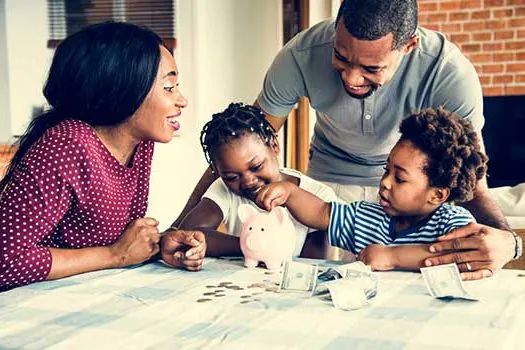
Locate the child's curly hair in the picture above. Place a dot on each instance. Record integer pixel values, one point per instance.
(452, 146)
(236, 120)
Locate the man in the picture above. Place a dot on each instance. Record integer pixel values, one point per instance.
(363, 74)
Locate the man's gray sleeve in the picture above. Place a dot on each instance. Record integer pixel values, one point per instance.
(459, 90)
(283, 85)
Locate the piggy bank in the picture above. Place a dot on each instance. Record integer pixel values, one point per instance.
(266, 236)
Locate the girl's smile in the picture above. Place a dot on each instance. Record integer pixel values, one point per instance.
(246, 163)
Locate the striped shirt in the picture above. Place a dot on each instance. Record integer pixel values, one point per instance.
(356, 225)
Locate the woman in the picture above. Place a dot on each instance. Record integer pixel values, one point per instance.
(76, 192)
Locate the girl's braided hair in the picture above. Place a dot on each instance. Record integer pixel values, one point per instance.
(235, 121)
(452, 146)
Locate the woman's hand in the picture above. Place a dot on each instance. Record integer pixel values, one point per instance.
(138, 243)
(184, 249)
(478, 250)
(274, 194)
(378, 257)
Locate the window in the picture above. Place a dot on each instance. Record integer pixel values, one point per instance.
(69, 16)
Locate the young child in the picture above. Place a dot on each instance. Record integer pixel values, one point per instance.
(242, 149)
(437, 160)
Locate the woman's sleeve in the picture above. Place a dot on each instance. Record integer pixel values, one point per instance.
(35, 200)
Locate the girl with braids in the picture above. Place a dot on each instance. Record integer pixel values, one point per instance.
(76, 192)
(436, 160)
(242, 149)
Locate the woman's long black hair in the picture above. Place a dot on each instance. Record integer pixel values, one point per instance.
(100, 75)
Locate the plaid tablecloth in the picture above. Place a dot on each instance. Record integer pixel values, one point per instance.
(226, 306)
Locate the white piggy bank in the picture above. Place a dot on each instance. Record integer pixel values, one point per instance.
(266, 236)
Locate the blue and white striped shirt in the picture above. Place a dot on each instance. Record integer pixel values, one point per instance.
(356, 225)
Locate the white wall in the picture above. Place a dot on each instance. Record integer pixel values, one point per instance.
(320, 10)
(5, 121)
(223, 50)
(28, 58)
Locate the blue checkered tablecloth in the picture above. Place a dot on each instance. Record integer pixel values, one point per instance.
(226, 306)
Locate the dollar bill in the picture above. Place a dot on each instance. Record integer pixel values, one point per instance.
(299, 276)
(350, 286)
(347, 294)
(444, 281)
(329, 274)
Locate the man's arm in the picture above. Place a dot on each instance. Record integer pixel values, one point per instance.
(485, 209)
(486, 246)
(276, 122)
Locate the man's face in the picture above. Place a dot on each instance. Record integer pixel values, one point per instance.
(365, 65)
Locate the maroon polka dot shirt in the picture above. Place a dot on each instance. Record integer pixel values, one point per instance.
(67, 192)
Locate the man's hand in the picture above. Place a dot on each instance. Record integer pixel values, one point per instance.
(478, 250)
(183, 249)
(378, 256)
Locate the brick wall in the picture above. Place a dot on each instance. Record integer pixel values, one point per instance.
(491, 33)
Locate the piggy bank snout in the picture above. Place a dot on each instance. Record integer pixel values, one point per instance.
(255, 239)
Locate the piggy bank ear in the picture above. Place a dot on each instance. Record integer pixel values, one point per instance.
(278, 213)
(245, 211)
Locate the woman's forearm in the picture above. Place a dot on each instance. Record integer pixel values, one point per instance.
(69, 262)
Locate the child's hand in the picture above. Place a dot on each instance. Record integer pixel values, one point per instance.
(184, 249)
(378, 256)
(274, 194)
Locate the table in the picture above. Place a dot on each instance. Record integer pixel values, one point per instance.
(227, 306)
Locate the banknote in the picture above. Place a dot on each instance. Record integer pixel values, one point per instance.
(329, 274)
(350, 286)
(347, 293)
(298, 276)
(353, 266)
(444, 281)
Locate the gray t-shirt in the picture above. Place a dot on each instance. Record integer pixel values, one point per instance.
(352, 137)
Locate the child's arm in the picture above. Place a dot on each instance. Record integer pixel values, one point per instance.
(206, 216)
(404, 257)
(307, 208)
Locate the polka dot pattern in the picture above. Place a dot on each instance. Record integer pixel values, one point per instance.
(67, 192)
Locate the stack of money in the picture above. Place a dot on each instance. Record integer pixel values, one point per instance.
(350, 286)
(357, 285)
